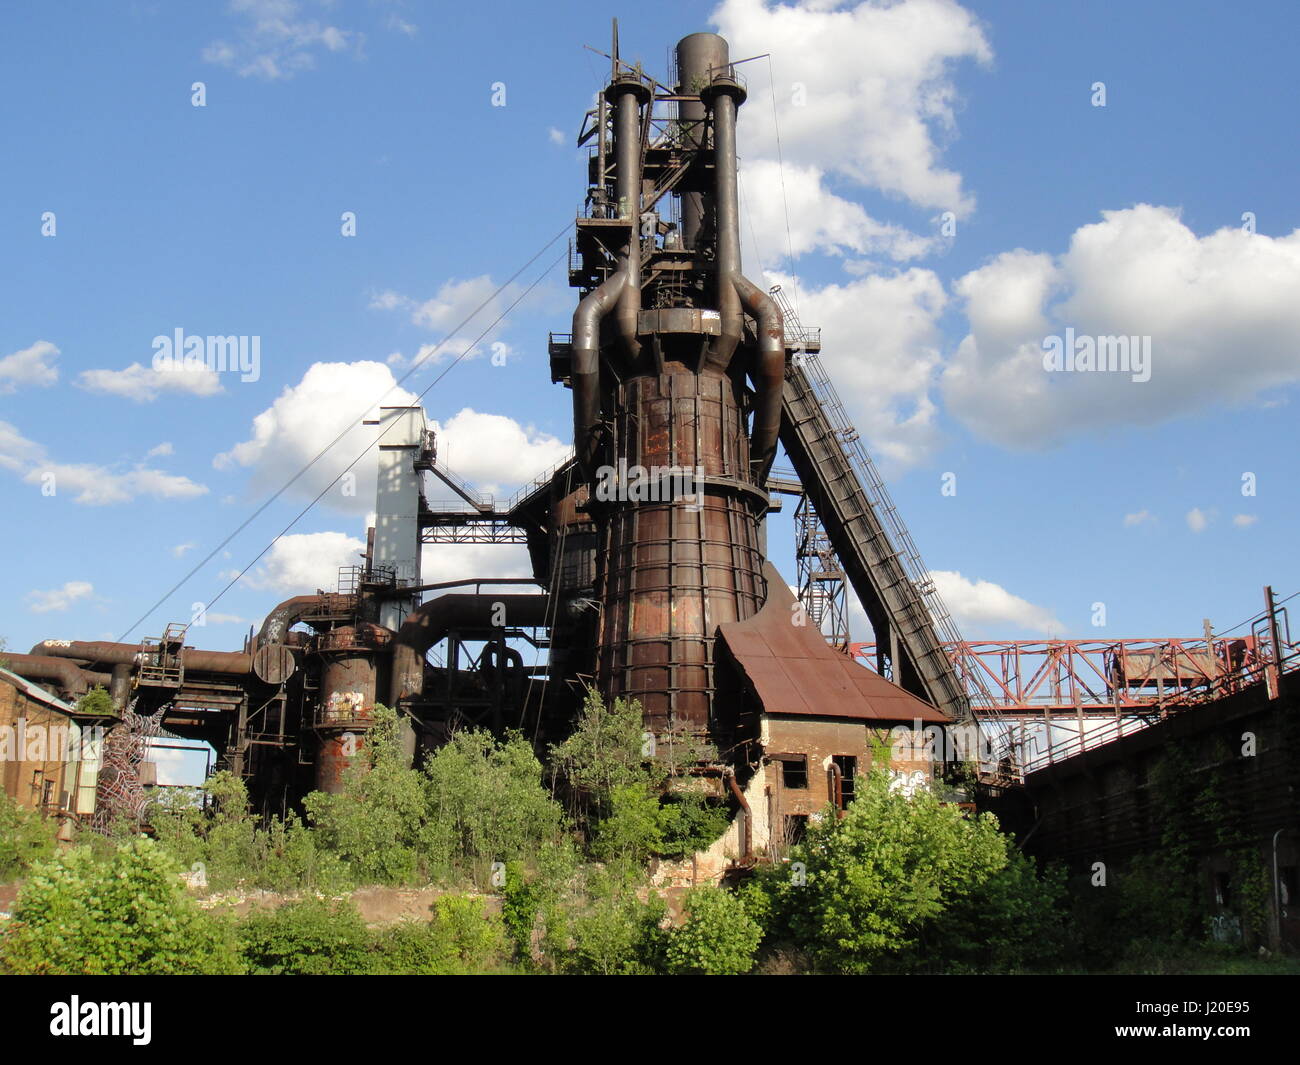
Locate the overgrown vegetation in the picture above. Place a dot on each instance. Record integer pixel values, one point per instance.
(910, 884)
(617, 782)
(77, 915)
(546, 869)
(97, 701)
(25, 838)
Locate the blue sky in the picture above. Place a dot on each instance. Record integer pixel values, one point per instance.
(225, 219)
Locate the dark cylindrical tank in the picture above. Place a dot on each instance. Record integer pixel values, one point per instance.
(345, 714)
(698, 57)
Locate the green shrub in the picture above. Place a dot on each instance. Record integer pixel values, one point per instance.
(689, 823)
(125, 916)
(460, 939)
(313, 937)
(875, 878)
(631, 829)
(230, 846)
(97, 701)
(520, 905)
(1014, 920)
(718, 936)
(485, 802)
(614, 933)
(26, 837)
(619, 792)
(374, 822)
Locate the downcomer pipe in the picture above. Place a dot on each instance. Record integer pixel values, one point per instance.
(735, 291)
(621, 290)
(626, 97)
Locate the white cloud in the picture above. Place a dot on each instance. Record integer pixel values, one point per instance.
(30, 366)
(863, 96)
(458, 562)
(1141, 517)
(979, 608)
(17, 453)
(1244, 521)
(165, 448)
(330, 399)
(494, 453)
(556, 135)
(304, 562)
(274, 41)
(982, 607)
(93, 484)
(818, 219)
(1197, 519)
(179, 550)
(44, 602)
(400, 25)
(144, 384)
(881, 347)
(1220, 312)
(453, 303)
(169, 765)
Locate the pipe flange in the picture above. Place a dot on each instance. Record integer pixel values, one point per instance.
(628, 83)
(723, 85)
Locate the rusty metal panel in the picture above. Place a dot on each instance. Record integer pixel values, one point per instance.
(791, 669)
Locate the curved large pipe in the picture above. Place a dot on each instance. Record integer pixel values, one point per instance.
(70, 677)
(584, 374)
(767, 375)
(736, 292)
(279, 621)
(726, 199)
(432, 621)
(621, 290)
(627, 145)
(230, 662)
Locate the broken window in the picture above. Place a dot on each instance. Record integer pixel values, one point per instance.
(848, 767)
(1222, 890)
(794, 771)
(796, 827)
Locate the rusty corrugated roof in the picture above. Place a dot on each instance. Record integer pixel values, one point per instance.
(793, 670)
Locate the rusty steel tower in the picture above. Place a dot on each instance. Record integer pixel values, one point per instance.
(676, 362)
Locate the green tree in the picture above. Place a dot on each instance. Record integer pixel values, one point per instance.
(717, 937)
(623, 796)
(375, 822)
(613, 932)
(876, 877)
(461, 938)
(485, 802)
(97, 701)
(129, 915)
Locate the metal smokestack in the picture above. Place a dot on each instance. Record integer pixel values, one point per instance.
(699, 56)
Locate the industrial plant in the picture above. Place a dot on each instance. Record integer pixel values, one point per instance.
(700, 406)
